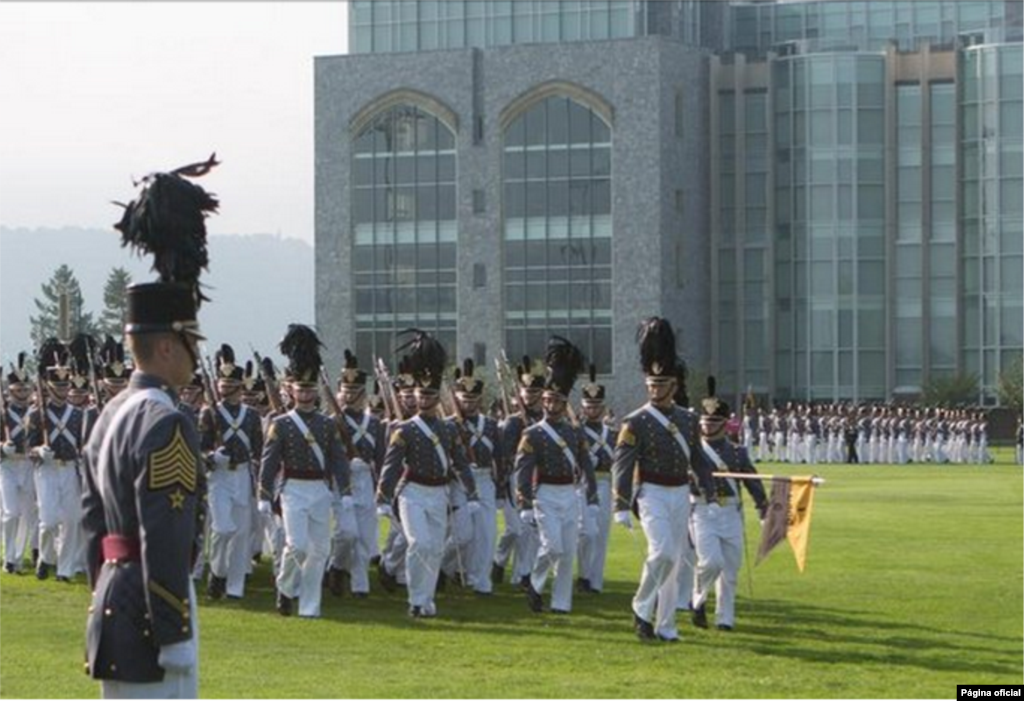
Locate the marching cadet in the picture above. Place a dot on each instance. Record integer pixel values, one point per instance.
(518, 539)
(688, 559)
(304, 465)
(423, 454)
(80, 394)
(484, 440)
(391, 566)
(658, 448)
(17, 483)
(718, 524)
(191, 398)
(260, 391)
(593, 542)
(55, 430)
(232, 438)
(350, 558)
(143, 461)
(551, 458)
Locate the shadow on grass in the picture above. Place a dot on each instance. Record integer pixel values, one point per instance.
(794, 629)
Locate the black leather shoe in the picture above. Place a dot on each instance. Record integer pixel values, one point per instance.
(62, 578)
(724, 626)
(334, 581)
(284, 604)
(583, 585)
(415, 612)
(666, 639)
(497, 573)
(560, 612)
(387, 580)
(524, 582)
(42, 571)
(699, 617)
(644, 630)
(216, 586)
(533, 598)
(9, 568)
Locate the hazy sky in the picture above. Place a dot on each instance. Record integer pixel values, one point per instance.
(93, 94)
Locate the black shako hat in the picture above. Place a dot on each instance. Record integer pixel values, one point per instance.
(426, 360)
(351, 376)
(593, 393)
(564, 363)
(465, 383)
(54, 360)
(227, 368)
(657, 342)
(302, 348)
(167, 220)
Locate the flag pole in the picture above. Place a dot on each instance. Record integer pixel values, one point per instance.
(815, 480)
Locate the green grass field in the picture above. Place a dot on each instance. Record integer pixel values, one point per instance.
(913, 586)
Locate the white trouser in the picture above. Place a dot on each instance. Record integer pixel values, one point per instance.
(354, 553)
(424, 514)
(18, 490)
(556, 509)
(901, 450)
(687, 572)
(175, 685)
(762, 447)
(230, 504)
(780, 446)
(61, 540)
(344, 533)
(306, 509)
(459, 534)
(393, 556)
(664, 512)
(593, 547)
(718, 532)
(485, 533)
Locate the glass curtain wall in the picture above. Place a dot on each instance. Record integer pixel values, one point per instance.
(557, 230)
(829, 235)
(868, 25)
(991, 212)
(403, 210)
(382, 26)
(908, 329)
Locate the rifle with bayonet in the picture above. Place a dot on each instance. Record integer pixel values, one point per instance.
(392, 408)
(93, 380)
(499, 372)
(266, 370)
(339, 415)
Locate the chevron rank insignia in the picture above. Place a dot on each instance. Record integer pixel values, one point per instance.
(174, 464)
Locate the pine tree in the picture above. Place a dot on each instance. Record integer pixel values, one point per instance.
(115, 303)
(45, 324)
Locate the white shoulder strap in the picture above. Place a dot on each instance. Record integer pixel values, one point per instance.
(438, 447)
(318, 452)
(670, 427)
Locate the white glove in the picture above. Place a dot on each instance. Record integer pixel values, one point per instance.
(178, 657)
(43, 452)
(473, 507)
(623, 518)
(527, 517)
(384, 511)
(264, 507)
(221, 457)
(7, 448)
(347, 503)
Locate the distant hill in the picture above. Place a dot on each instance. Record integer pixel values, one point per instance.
(258, 283)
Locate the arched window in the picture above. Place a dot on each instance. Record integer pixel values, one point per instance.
(556, 177)
(403, 212)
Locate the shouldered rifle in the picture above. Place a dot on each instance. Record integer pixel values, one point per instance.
(92, 377)
(266, 372)
(500, 373)
(392, 410)
(520, 408)
(336, 410)
(209, 388)
(41, 407)
(3, 407)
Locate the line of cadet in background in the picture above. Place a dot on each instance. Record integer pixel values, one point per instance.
(867, 433)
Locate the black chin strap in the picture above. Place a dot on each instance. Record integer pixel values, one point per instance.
(191, 353)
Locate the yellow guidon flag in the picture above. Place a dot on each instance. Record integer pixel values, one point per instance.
(789, 513)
